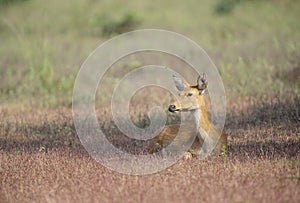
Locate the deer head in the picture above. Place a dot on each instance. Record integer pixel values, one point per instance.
(190, 97)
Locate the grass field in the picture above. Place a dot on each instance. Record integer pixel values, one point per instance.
(255, 45)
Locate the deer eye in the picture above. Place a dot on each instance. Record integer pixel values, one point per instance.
(190, 94)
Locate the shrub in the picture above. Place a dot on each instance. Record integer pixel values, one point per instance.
(110, 26)
(225, 6)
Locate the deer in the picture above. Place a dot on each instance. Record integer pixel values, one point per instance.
(191, 100)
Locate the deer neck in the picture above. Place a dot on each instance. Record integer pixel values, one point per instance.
(201, 115)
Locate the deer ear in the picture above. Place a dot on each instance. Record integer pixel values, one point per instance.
(201, 92)
(180, 85)
(202, 83)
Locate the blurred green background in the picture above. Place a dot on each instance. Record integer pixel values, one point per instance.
(255, 44)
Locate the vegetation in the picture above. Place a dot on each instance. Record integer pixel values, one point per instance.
(6, 2)
(254, 44)
(110, 26)
(40, 59)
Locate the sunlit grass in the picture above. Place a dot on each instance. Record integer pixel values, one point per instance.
(44, 45)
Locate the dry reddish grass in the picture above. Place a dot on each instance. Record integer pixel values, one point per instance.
(64, 176)
(43, 161)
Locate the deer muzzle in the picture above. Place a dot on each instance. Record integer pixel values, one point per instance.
(172, 108)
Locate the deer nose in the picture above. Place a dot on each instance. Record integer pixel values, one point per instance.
(172, 108)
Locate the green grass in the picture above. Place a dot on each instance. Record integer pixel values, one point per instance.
(255, 45)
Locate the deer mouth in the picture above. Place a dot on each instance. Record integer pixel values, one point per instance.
(172, 108)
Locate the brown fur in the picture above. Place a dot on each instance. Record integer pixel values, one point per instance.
(191, 99)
